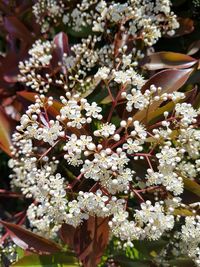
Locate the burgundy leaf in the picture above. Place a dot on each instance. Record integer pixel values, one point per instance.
(121, 39)
(17, 29)
(93, 239)
(169, 80)
(89, 240)
(186, 27)
(67, 234)
(30, 241)
(62, 45)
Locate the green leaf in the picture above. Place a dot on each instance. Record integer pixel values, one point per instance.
(56, 260)
(106, 100)
(182, 262)
(126, 262)
(159, 111)
(192, 186)
(183, 212)
(20, 253)
(148, 248)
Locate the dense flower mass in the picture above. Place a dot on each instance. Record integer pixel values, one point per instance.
(102, 145)
(105, 156)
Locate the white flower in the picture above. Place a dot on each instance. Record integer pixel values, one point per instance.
(74, 108)
(187, 113)
(106, 130)
(93, 110)
(102, 73)
(140, 130)
(168, 156)
(153, 220)
(137, 100)
(132, 146)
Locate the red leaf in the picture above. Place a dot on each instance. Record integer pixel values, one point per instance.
(170, 81)
(186, 27)
(89, 240)
(67, 234)
(121, 39)
(6, 126)
(30, 241)
(5, 193)
(62, 45)
(163, 60)
(17, 29)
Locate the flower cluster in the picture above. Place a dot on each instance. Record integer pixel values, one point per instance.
(99, 147)
(48, 11)
(132, 21)
(141, 19)
(40, 57)
(105, 157)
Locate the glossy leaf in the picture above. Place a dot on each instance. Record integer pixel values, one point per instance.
(194, 48)
(61, 48)
(62, 45)
(57, 260)
(52, 110)
(163, 60)
(89, 240)
(170, 81)
(159, 111)
(192, 186)
(186, 27)
(67, 234)
(5, 132)
(30, 241)
(183, 212)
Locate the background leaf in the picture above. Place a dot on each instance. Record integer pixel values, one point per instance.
(53, 110)
(6, 126)
(161, 60)
(170, 81)
(89, 240)
(30, 241)
(192, 186)
(62, 45)
(57, 260)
